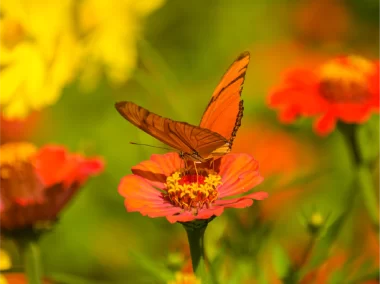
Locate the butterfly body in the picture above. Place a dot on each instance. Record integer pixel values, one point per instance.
(218, 127)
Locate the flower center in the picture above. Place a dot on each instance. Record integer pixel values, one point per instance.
(192, 191)
(14, 155)
(345, 81)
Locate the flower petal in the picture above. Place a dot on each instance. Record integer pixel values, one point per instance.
(325, 124)
(289, 114)
(141, 197)
(55, 165)
(353, 113)
(242, 201)
(345, 88)
(48, 162)
(138, 189)
(239, 174)
(90, 167)
(157, 168)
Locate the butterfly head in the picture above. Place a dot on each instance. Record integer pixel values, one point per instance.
(195, 157)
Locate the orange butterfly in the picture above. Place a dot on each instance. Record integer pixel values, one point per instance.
(220, 121)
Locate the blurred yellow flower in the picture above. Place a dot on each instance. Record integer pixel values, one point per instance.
(5, 260)
(44, 44)
(39, 54)
(110, 30)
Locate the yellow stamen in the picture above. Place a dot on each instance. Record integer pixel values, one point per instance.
(13, 153)
(192, 191)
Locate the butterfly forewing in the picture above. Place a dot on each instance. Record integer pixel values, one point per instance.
(225, 109)
(189, 139)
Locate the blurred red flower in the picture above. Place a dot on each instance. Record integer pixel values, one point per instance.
(37, 183)
(345, 88)
(161, 187)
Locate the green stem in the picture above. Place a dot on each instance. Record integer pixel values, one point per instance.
(368, 195)
(32, 261)
(196, 242)
(308, 249)
(363, 175)
(297, 272)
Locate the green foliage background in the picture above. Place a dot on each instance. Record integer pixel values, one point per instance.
(184, 49)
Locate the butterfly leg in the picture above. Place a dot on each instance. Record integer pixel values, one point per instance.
(185, 164)
(196, 171)
(213, 164)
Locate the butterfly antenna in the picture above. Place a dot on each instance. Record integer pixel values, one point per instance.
(141, 144)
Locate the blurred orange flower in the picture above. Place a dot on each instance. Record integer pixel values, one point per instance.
(345, 88)
(307, 15)
(160, 187)
(37, 184)
(337, 262)
(18, 278)
(284, 161)
(323, 273)
(292, 154)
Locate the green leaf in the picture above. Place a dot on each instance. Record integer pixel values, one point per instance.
(156, 268)
(262, 277)
(241, 268)
(62, 278)
(281, 260)
(216, 264)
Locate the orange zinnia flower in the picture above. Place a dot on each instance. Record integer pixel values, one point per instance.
(161, 187)
(37, 184)
(346, 89)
